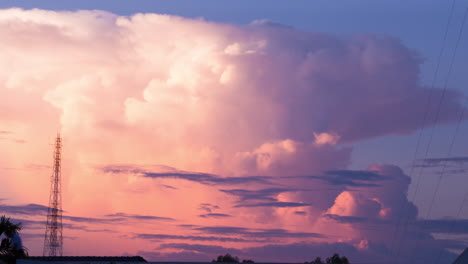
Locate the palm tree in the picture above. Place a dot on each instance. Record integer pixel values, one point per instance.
(7, 249)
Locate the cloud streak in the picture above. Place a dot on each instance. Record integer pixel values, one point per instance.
(275, 204)
(256, 233)
(436, 161)
(262, 194)
(202, 178)
(159, 237)
(214, 215)
(138, 217)
(28, 209)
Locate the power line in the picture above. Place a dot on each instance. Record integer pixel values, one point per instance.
(460, 33)
(443, 171)
(449, 153)
(429, 97)
(453, 223)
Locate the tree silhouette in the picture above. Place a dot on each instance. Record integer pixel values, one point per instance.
(9, 249)
(227, 258)
(335, 259)
(317, 260)
(344, 260)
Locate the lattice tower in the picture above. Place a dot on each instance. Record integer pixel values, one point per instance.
(53, 242)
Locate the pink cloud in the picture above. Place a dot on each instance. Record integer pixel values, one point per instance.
(216, 104)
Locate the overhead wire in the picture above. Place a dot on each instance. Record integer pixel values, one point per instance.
(460, 209)
(427, 105)
(439, 107)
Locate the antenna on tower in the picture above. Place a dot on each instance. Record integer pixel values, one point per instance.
(53, 243)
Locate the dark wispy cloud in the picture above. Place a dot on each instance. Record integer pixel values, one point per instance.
(454, 226)
(214, 215)
(84, 228)
(209, 211)
(262, 194)
(28, 209)
(206, 178)
(274, 204)
(222, 229)
(451, 172)
(450, 165)
(207, 207)
(362, 175)
(116, 218)
(41, 236)
(41, 210)
(230, 234)
(168, 187)
(352, 178)
(202, 178)
(458, 160)
(92, 230)
(270, 23)
(256, 233)
(264, 197)
(300, 213)
(119, 216)
(92, 220)
(210, 249)
(348, 219)
(159, 237)
(29, 224)
(180, 256)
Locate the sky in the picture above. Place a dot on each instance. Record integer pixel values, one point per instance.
(276, 131)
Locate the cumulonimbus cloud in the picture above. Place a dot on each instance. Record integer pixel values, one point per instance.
(238, 104)
(258, 92)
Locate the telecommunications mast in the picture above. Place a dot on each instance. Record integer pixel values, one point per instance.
(53, 236)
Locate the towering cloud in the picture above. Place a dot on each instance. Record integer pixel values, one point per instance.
(191, 105)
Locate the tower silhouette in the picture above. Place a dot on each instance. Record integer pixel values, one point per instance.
(53, 244)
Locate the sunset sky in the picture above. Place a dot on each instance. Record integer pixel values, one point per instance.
(276, 131)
